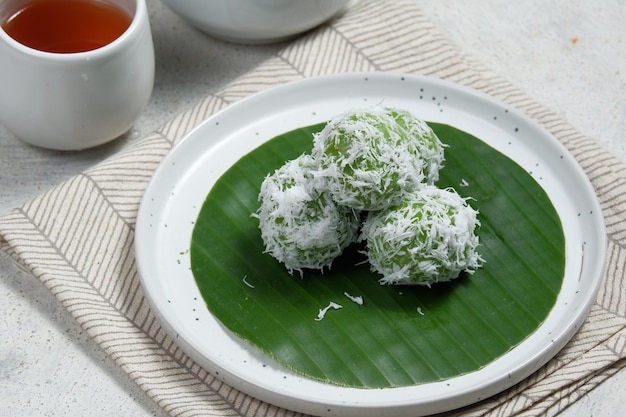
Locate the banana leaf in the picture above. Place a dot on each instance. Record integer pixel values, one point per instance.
(400, 335)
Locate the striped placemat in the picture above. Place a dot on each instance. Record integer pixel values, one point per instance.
(78, 237)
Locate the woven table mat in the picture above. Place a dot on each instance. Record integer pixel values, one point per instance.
(78, 237)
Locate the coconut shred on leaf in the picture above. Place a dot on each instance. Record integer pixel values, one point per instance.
(301, 226)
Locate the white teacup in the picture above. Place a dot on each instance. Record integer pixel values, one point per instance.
(76, 100)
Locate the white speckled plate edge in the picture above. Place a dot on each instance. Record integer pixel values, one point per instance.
(179, 186)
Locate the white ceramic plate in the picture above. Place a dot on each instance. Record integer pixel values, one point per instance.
(175, 195)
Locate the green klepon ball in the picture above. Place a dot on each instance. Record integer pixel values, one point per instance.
(370, 158)
(427, 238)
(301, 226)
(428, 146)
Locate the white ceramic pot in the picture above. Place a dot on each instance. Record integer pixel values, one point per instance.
(255, 21)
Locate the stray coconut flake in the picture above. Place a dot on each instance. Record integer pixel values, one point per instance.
(355, 299)
(464, 183)
(245, 281)
(419, 310)
(323, 311)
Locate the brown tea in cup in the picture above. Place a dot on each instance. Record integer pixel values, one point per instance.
(66, 26)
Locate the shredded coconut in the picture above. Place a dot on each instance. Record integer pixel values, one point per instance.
(245, 281)
(301, 226)
(385, 161)
(356, 299)
(428, 238)
(323, 311)
(370, 158)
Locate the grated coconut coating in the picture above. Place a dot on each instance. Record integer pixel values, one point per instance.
(370, 158)
(301, 226)
(429, 237)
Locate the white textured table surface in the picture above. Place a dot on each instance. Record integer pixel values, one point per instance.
(569, 55)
